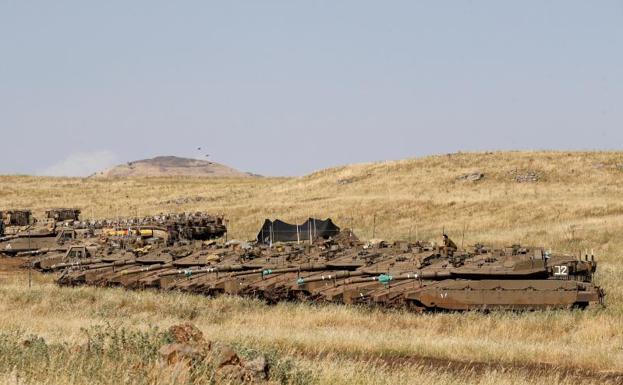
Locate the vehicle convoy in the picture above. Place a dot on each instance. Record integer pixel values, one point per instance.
(341, 269)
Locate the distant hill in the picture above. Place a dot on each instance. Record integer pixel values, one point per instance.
(172, 166)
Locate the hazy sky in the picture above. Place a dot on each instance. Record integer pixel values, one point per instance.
(288, 87)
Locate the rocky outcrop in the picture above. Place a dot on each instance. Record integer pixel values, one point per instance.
(190, 348)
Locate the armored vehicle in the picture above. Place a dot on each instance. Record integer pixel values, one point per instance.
(417, 276)
(14, 221)
(27, 242)
(63, 214)
(17, 217)
(172, 227)
(72, 254)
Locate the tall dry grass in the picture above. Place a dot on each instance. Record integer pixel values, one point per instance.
(309, 344)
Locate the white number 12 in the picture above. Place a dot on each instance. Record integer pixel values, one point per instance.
(561, 270)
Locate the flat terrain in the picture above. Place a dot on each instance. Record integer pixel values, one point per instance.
(569, 201)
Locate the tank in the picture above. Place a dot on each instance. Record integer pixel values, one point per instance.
(49, 259)
(173, 227)
(63, 214)
(416, 276)
(17, 217)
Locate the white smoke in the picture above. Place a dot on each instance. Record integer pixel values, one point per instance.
(81, 164)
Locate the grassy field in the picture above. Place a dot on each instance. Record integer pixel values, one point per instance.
(574, 206)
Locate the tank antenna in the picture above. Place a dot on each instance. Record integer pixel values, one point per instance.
(463, 236)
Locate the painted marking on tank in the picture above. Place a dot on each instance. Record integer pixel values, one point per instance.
(561, 270)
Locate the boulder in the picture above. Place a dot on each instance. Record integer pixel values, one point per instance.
(472, 176)
(258, 366)
(181, 353)
(224, 355)
(190, 348)
(186, 333)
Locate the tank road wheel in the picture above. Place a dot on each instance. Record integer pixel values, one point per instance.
(580, 305)
(415, 306)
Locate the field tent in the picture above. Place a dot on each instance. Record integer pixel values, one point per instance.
(279, 231)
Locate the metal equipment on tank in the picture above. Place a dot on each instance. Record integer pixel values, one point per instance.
(63, 214)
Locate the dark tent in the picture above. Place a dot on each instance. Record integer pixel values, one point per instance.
(279, 231)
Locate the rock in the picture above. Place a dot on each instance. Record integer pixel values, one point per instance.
(224, 355)
(231, 374)
(472, 176)
(259, 366)
(529, 177)
(172, 354)
(178, 358)
(235, 374)
(525, 176)
(231, 369)
(186, 333)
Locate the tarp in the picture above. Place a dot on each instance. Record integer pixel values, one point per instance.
(280, 231)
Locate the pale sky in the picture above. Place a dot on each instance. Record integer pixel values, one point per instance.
(289, 87)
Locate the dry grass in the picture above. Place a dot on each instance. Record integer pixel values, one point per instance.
(576, 205)
(325, 344)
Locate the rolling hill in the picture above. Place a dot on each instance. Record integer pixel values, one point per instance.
(172, 166)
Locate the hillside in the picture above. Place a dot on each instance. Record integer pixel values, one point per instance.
(570, 201)
(540, 197)
(171, 166)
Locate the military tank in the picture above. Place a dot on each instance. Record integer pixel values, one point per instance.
(417, 276)
(63, 214)
(17, 217)
(24, 234)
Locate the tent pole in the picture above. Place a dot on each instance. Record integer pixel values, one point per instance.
(315, 229)
(374, 226)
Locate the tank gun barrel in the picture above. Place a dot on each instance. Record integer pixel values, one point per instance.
(146, 269)
(301, 268)
(334, 276)
(109, 264)
(76, 263)
(39, 252)
(205, 270)
(384, 278)
(8, 238)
